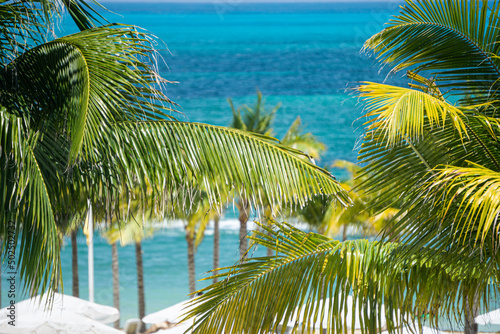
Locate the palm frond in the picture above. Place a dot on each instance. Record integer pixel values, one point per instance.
(83, 14)
(401, 112)
(222, 160)
(316, 275)
(434, 36)
(21, 26)
(74, 87)
(468, 209)
(27, 206)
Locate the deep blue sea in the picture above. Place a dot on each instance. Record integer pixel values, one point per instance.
(306, 56)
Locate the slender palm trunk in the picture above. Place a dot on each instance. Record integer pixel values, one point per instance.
(471, 313)
(191, 264)
(116, 280)
(216, 245)
(74, 264)
(344, 233)
(0, 275)
(244, 208)
(140, 283)
(266, 217)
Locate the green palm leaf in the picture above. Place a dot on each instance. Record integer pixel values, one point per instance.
(441, 33)
(256, 295)
(26, 204)
(222, 160)
(469, 204)
(73, 83)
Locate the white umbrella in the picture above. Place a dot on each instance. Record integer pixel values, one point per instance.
(413, 329)
(178, 329)
(100, 313)
(492, 317)
(350, 314)
(172, 314)
(35, 319)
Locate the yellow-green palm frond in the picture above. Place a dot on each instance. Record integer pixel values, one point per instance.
(470, 204)
(380, 220)
(316, 274)
(401, 113)
(222, 159)
(306, 142)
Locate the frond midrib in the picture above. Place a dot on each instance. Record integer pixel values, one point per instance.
(250, 136)
(87, 87)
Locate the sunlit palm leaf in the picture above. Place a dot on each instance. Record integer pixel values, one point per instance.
(258, 294)
(470, 203)
(173, 151)
(401, 112)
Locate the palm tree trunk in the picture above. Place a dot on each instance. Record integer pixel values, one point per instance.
(140, 283)
(116, 280)
(344, 233)
(471, 313)
(74, 264)
(216, 246)
(243, 207)
(191, 264)
(0, 275)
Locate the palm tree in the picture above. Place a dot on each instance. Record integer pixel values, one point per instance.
(296, 137)
(197, 221)
(83, 117)
(112, 236)
(216, 261)
(440, 159)
(324, 216)
(255, 119)
(133, 232)
(74, 263)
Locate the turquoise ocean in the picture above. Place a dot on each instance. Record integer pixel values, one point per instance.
(305, 55)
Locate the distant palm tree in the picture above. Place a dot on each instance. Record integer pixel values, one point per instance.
(327, 218)
(134, 232)
(258, 120)
(131, 224)
(296, 137)
(112, 236)
(196, 217)
(74, 263)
